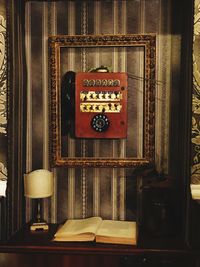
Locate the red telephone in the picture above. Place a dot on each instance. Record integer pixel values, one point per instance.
(101, 105)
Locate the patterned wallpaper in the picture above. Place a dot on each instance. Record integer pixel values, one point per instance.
(195, 178)
(3, 98)
(3, 114)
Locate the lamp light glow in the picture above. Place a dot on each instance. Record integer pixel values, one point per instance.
(38, 184)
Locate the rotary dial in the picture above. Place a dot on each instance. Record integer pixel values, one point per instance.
(100, 123)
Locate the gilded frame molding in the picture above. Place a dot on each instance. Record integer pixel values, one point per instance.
(148, 41)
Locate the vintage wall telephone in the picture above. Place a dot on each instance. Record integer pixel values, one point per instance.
(94, 104)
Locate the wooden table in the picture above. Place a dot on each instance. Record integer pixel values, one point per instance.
(37, 249)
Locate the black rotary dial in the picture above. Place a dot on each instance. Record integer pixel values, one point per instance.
(100, 123)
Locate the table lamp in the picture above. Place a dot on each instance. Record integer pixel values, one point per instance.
(38, 184)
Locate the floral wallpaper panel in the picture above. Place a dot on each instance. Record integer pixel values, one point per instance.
(196, 97)
(3, 99)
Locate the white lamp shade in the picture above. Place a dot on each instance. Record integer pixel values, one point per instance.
(38, 184)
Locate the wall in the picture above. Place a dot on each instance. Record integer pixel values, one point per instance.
(3, 107)
(195, 178)
(110, 193)
(105, 192)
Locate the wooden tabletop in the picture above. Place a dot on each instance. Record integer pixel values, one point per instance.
(27, 241)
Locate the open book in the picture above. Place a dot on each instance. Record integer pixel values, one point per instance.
(96, 229)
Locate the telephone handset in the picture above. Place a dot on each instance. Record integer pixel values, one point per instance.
(100, 104)
(68, 103)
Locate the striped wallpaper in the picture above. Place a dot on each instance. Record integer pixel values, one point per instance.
(86, 192)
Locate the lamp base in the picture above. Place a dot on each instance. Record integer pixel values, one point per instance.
(40, 226)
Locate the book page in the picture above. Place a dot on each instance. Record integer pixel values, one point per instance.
(78, 227)
(73, 238)
(122, 232)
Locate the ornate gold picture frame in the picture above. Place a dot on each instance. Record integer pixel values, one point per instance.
(64, 150)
